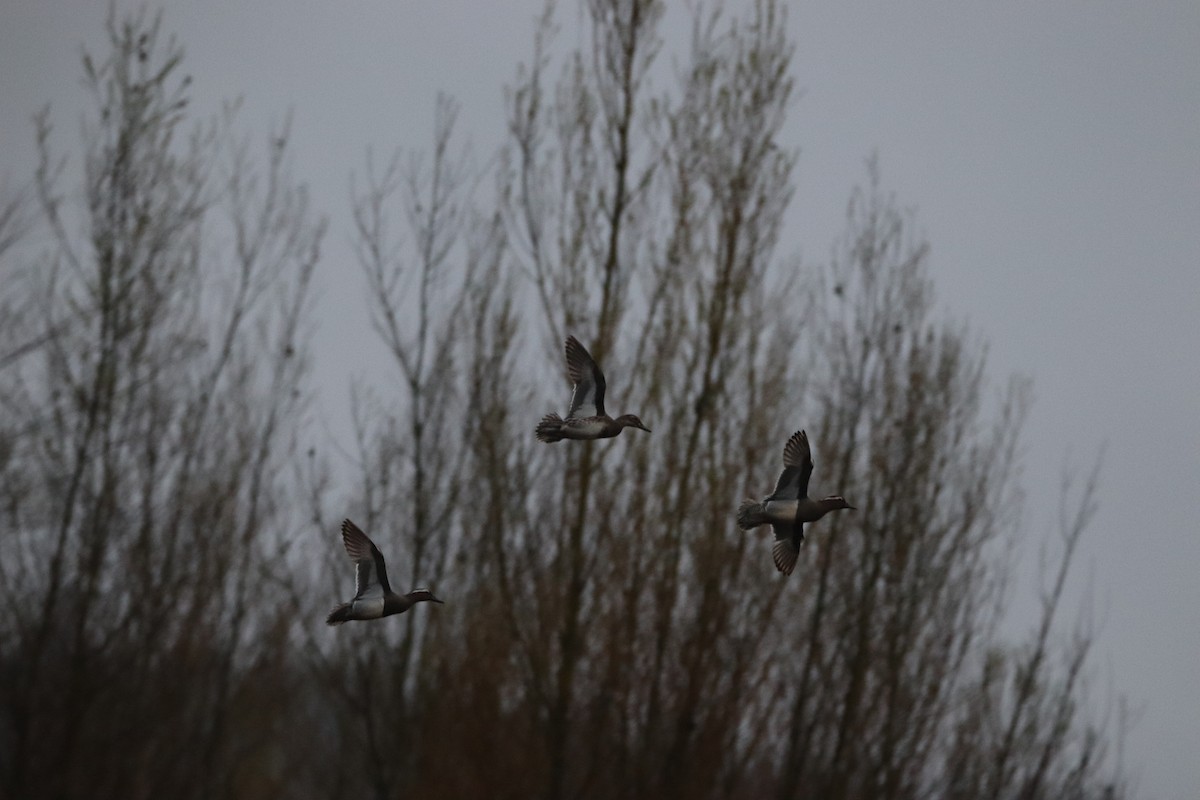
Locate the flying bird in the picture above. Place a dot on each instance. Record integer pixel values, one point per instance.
(373, 596)
(585, 418)
(789, 507)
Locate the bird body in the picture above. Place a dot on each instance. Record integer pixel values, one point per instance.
(585, 418)
(781, 511)
(554, 428)
(373, 596)
(789, 507)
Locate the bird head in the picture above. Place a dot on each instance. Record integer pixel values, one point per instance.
(631, 421)
(836, 501)
(418, 595)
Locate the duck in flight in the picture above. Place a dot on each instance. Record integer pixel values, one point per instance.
(373, 597)
(585, 418)
(789, 507)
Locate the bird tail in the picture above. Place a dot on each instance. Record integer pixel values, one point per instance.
(549, 429)
(751, 514)
(338, 615)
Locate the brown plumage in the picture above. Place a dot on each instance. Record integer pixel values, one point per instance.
(373, 596)
(585, 418)
(789, 506)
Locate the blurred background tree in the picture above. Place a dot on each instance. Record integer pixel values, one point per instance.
(609, 632)
(146, 437)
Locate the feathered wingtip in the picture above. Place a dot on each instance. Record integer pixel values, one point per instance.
(549, 429)
(750, 515)
(784, 555)
(338, 615)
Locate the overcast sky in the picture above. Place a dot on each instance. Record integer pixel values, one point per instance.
(1050, 150)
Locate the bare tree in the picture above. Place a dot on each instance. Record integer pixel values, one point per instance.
(151, 426)
(901, 590)
(698, 674)
(584, 239)
(1021, 730)
(906, 594)
(608, 632)
(408, 454)
(14, 222)
(643, 556)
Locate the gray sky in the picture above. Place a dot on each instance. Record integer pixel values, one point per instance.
(1051, 150)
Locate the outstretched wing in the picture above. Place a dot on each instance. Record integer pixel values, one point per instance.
(797, 469)
(788, 539)
(587, 400)
(369, 568)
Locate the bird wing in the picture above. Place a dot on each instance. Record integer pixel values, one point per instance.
(797, 469)
(788, 539)
(370, 571)
(587, 400)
